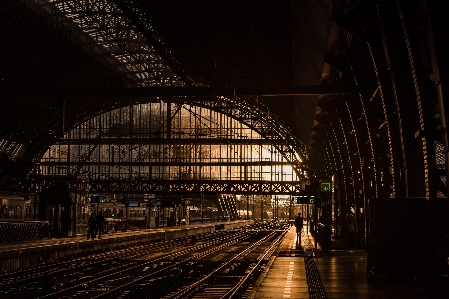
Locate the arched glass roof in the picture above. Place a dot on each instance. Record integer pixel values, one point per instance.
(135, 142)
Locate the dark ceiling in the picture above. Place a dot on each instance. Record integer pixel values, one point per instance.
(231, 43)
(235, 42)
(249, 43)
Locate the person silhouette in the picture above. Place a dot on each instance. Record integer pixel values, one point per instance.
(91, 225)
(299, 223)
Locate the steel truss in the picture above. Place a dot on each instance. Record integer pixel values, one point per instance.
(253, 114)
(172, 141)
(170, 162)
(122, 39)
(395, 125)
(187, 93)
(123, 42)
(120, 149)
(194, 186)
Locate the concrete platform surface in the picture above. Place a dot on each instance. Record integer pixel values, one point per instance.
(341, 273)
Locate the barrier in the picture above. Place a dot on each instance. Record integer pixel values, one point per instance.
(11, 232)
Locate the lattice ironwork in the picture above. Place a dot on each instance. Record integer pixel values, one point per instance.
(256, 116)
(203, 186)
(130, 146)
(119, 40)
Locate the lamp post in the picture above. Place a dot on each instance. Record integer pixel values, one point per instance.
(247, 208)
(239, 201)
(254, 209)
(201, 204)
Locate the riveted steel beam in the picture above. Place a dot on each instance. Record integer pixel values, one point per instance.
(179, 141)
(183, 91)
(173, 162)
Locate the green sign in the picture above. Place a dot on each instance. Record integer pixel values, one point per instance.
(305, 200)
(97, 199)
(326, 187)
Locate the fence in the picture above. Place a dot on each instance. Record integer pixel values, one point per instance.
(11, 232)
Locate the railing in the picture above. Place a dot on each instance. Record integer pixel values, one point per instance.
(11, 232)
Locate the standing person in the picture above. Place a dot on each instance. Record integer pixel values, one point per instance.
(91, 224)
(99, 222)
(351, 230)
(299, 223)
(326, 220)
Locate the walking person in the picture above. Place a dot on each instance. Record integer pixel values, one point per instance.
(91, 225)
(299, 223)
(351, 230)
(99, 219)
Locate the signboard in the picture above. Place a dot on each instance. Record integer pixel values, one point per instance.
(326, 187)
(132, 203)
(97, 199)
(305, 200)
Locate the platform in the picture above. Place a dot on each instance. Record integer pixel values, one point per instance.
(338, 275)
(291, 273)
(29, 253)
(285, 274)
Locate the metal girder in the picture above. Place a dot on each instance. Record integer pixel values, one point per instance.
(268, 127)
(103, 29)
(143, 26)
(181, 141)
(190, 91)
(203, 186)
(172, 162)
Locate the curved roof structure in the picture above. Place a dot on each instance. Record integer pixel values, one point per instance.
(98, 48)
(51, 45)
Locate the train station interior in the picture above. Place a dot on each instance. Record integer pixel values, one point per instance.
(200, 130)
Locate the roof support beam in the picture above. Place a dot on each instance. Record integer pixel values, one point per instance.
(179, 141)
(184, 91)
(172, 162)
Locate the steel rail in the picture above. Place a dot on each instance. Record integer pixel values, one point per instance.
(233, 292)
(234, 239)
(191, 288)
(28, 275)
(109, 293)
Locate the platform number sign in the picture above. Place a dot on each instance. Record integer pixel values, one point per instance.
(326, 187)
(305, 200)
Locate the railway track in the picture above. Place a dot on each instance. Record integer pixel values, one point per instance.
(221, 263)
(210, 286)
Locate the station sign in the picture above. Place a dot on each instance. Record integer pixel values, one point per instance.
(325, 187)
(305, 200)
(98, 199)
(132, 203)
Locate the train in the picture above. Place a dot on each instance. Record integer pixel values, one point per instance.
(118, 211)
(15, 209)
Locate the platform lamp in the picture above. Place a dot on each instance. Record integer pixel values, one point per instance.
(201, 205)
(247, 207)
